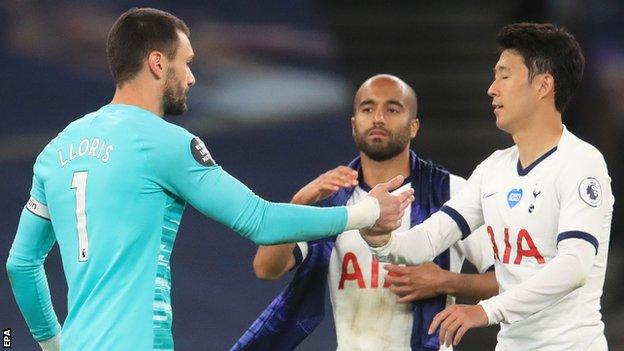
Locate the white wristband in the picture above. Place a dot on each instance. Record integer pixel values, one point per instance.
(382, 253)
(52, 344)
(493, 313)
(364, 214)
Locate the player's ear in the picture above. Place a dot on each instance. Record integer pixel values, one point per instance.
(156, 64)
(353, 125)
(546, 85)
(414, 125)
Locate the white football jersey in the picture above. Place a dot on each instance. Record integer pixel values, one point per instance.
(528, 213)
(366, 314)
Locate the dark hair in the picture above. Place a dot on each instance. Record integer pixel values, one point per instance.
(546, 48)
(135, 34)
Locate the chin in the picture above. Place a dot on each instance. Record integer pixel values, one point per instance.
(502, 124)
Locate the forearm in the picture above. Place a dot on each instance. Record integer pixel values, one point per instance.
(421, 243)
(230, 202)
(272, 262)
(563, 274)
(27, 277)
(32, 294)
(469, 287)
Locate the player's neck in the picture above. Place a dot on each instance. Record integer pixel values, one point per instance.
(538, 137)
(139, 95)
(375, 172)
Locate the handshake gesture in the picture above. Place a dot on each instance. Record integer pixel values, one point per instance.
(362, 214)
(391, 207)
(380, 212)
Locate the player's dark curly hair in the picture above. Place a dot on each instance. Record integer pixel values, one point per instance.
(135, 34)
(547, 48)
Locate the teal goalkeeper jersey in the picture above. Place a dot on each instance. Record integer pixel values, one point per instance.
(111, 189)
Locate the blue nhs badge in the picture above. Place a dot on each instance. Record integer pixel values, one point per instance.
(513, 197)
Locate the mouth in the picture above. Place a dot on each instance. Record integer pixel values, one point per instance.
(497, 107)
(377, 133)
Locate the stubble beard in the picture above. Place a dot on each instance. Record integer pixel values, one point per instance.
(380, 151)
(174, 97)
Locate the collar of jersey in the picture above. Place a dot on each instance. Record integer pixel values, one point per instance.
(524, 171)
(362, 184)
(130, 107)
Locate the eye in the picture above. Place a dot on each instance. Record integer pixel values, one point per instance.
(367, 110)
(393, 110)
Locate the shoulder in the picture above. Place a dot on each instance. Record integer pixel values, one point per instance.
(434, 167)
(456, 183)
(502, 155)
(577, 153)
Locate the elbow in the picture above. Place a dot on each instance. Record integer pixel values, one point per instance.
(16, 266)
(258, 237)
(580, 271)
(264, 273)
(580, 278)
(11, 265)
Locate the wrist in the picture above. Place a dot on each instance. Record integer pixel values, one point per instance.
(300, 199)
(363, 214)
(492, 311)
(382, 253)
(375, 240)
(52, 344)
(446, 284)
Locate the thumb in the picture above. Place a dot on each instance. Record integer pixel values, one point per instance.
(392, 183)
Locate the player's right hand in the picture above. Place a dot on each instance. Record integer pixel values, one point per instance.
(391, 207)
(325, 185)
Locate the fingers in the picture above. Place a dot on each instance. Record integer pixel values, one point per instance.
(408, 298)
(401, 290)
(346, 171)
(439, 318)
(343, 175)
(444, 326)
(397, 280)
(450, 331)
(396, 270)
(455, 321)
(392, 183)
(460, 334)
(340, 180)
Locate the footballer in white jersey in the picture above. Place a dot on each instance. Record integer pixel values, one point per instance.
(546, 204)
(529, 213)
(375, 306)
(366, 314)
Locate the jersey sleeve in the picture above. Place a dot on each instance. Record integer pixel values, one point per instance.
(465, 206)
(455, 221)
(37, 190)
(33, 240)
(586, 201)
(477, 247)
(184, 166)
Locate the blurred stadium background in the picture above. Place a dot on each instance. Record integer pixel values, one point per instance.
(275, 81)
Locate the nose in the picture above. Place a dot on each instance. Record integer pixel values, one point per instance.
(190, 78)
(493, 89)
(378, 117)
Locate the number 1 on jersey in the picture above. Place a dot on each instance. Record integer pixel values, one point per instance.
(79, 182)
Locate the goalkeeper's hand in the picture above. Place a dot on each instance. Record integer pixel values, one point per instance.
(52, 344)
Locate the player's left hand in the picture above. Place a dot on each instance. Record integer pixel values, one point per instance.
(413, 283)
(455, 320)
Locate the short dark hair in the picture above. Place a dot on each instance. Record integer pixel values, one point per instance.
(546, 48)
(135, 34)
